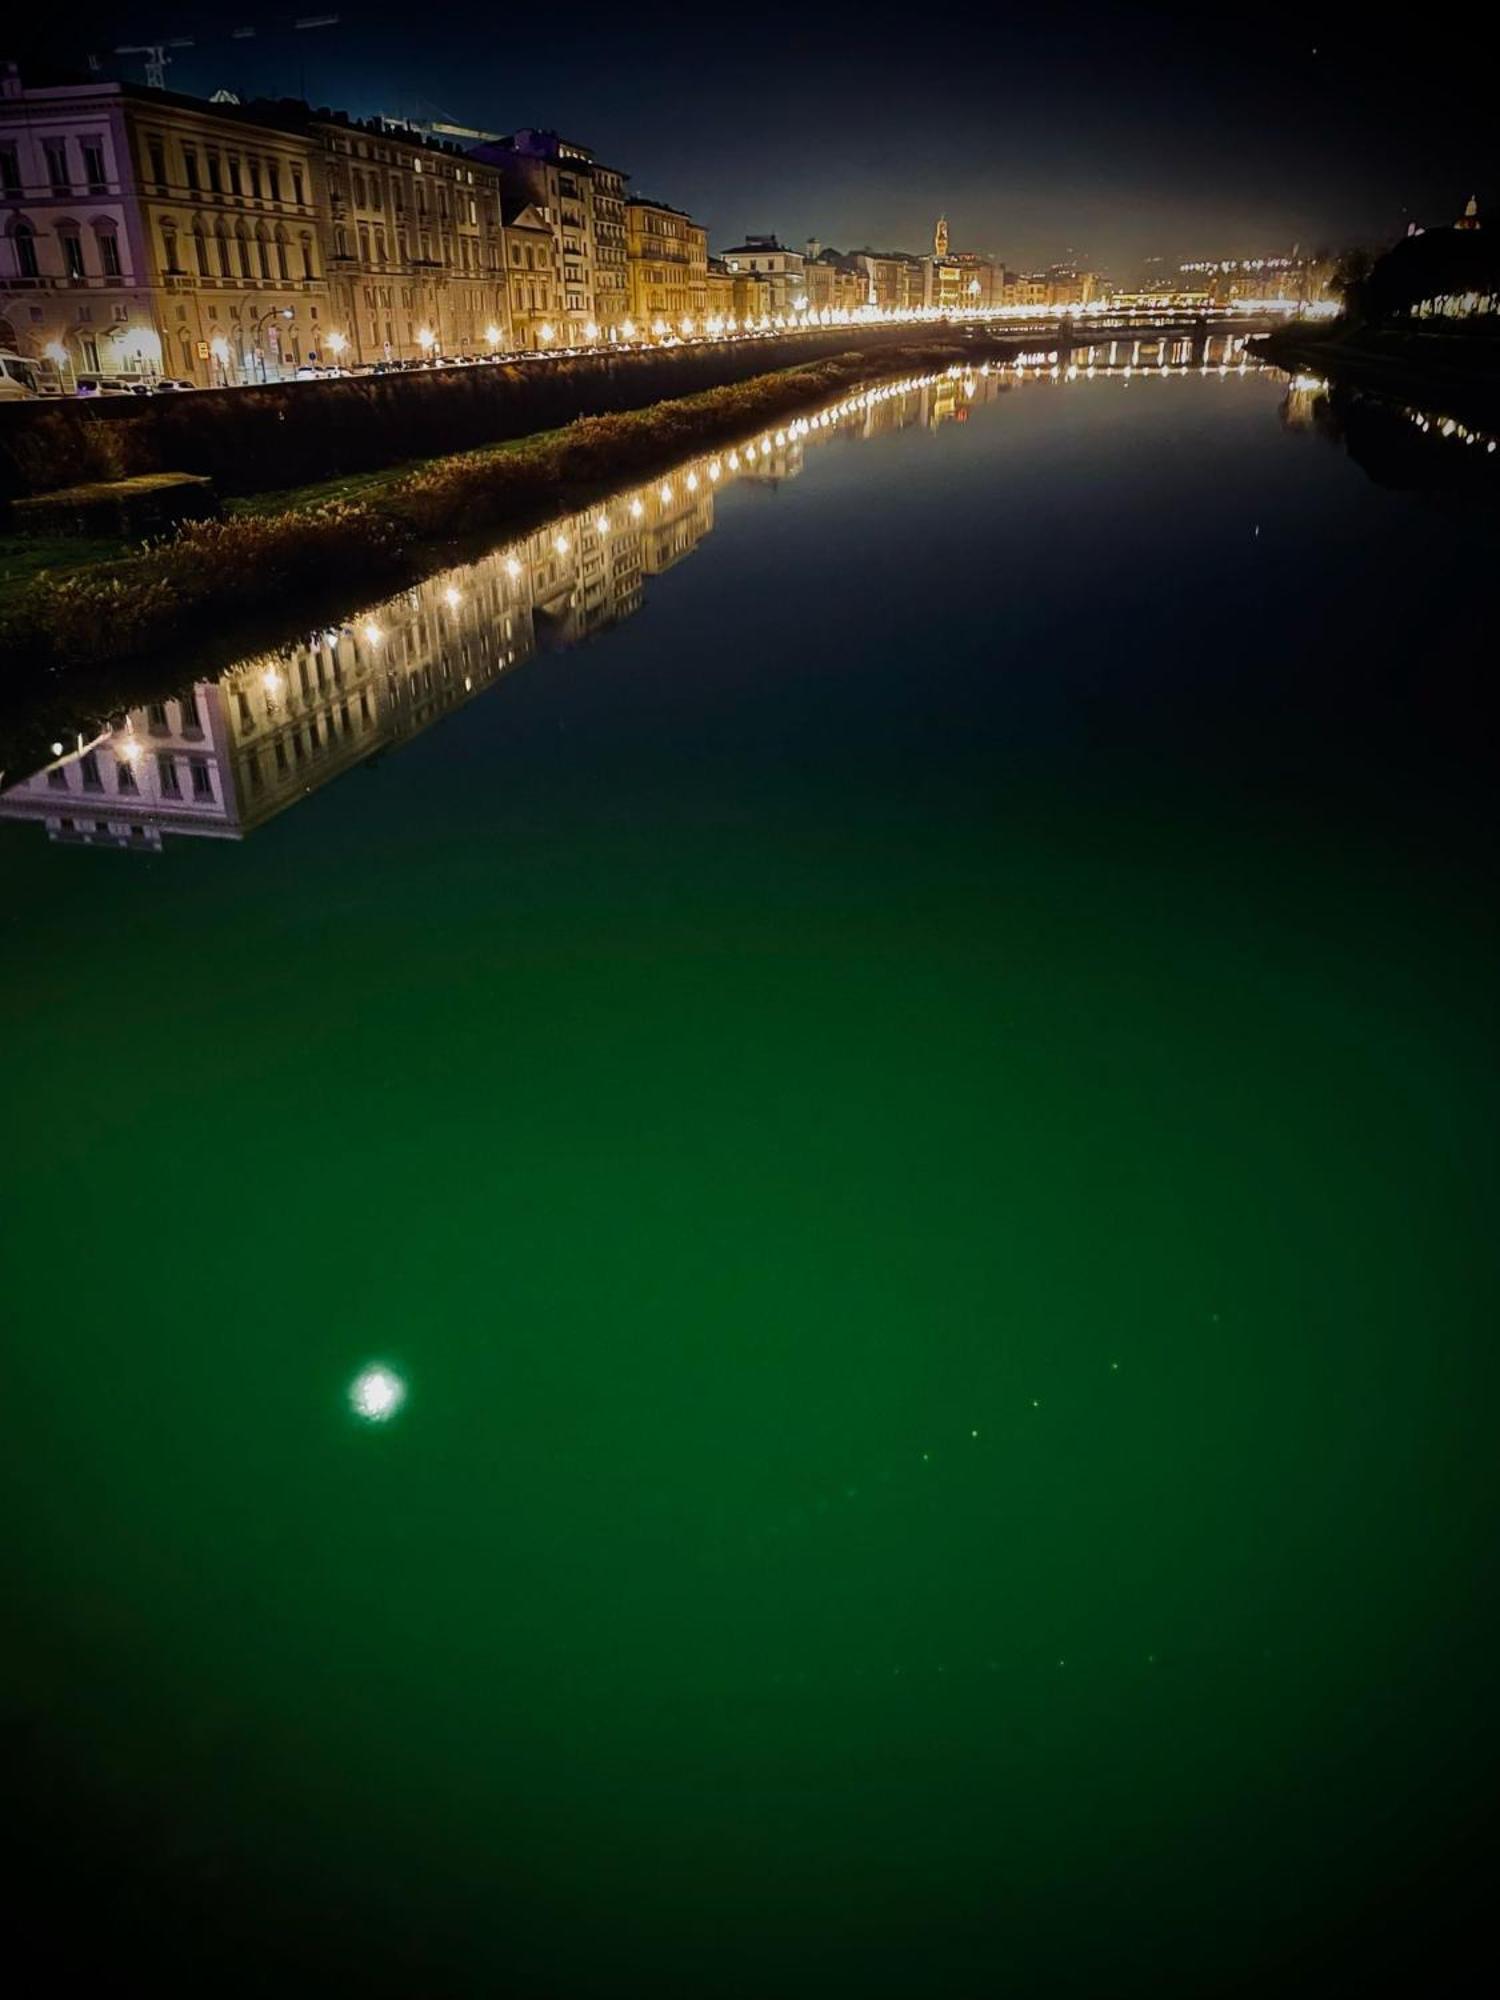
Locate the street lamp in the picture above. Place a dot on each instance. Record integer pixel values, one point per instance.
(57, 353)
(276, 312)
(218, 347)
(591, 332)
(336, 344)
(546, 333)
(492, 335)
(426, 339)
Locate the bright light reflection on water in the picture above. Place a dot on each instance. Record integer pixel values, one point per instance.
(376, 1395)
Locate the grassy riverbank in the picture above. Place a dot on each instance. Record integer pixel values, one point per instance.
(311, 546)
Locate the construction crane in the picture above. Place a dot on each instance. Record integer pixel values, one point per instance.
(158, 53)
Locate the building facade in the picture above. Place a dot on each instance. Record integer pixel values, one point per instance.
(667, 261)
(145, 233)
(414, 243)
(584, 203)
(533, 294)
(781, 270)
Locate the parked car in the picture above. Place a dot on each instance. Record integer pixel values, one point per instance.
(106, 385)
(171, 384)
(18, 379)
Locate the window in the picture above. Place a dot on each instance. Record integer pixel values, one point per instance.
(166, 765)
(281, 263)
(174, 265)
(254, 169)
(200, 252)
(26, 262)
(125, 779)
(109, 254)
(273, 180)
(190, 165)
(263, 250)
(72, 250)
(157, 154)
(57, 778)
(10, 170)
(93, 166)
(57, 164)
(188, 704)
(203, 787)
(215, 180)
(235, 185)
(297, 195)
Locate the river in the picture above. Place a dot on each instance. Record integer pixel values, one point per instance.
(751, 1252)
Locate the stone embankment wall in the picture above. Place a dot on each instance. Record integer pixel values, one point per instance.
(253, 440)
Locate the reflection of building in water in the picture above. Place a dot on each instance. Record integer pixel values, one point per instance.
(220, 759)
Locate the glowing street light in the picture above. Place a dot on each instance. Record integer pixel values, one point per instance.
(546, 332)
(426, 339)
(337, 342)
(492, 335)
(591, 331)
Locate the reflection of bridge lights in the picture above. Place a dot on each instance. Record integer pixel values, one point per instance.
(376, 1394)
(713, 468)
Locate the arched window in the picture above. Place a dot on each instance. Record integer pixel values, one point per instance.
(307, 257)
(221, 233)
(242, 243)
(281, 262)
(263, 251)
(24, 237)
(200, 250)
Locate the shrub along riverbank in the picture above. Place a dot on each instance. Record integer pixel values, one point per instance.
(306, 558)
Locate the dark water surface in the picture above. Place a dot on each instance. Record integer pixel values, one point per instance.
(916, 1120)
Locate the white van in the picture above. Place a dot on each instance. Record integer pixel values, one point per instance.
(18, 378)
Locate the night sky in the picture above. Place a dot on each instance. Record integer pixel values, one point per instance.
(1109, 133)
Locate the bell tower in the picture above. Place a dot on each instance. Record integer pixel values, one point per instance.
(940, 237)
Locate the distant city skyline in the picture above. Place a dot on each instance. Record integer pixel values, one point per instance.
(1112, 136)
